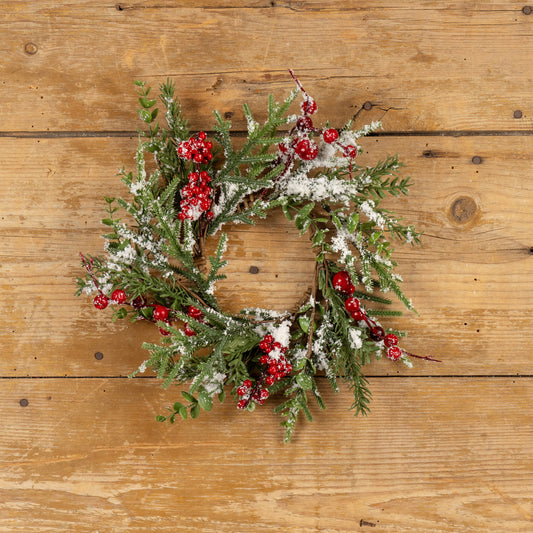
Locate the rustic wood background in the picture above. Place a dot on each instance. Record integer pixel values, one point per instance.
(448, 447)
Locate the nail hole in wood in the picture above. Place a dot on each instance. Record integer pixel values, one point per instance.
(527, 10)
(477, 160)
(517, 114)
(98, 356)
(253, 270)
(367, 106)
(24, 402)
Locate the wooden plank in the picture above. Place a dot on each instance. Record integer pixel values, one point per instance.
(470, 280)
(436, 454)
(456, 66)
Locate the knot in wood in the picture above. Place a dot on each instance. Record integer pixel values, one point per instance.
(30, 49)
(463, 209)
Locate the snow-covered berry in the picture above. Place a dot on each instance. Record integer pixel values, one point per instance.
(352, 304)
(118, 296)
(330, 135)
(160, 312)
(100, 301)
(394, 353)
(391, 340)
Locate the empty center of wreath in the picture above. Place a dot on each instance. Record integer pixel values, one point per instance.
(269, 265)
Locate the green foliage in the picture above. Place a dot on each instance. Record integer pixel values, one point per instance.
(156, 257)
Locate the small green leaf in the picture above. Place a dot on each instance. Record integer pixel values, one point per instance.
(305, 381)
(147, 103)
(222, 396)
(195, 410)
(147, 312)
(154, 113)
(172, 418)
(286, 211)
(304, 323)
(251, 407)
(205, 401)
(160, 418)
(107, 221)
(189, 397)
(183, 412)
(177, 406)
(145, 115)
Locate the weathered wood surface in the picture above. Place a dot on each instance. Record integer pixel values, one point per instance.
(437, 66)
(469, 281)
(447, 446)
(437, 454)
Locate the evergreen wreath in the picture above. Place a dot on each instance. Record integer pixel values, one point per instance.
(155, 269)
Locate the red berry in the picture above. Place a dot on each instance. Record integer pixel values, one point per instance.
(138, 303)
(264, 359)
(350, 289)
(350, 151)
(272, 370)
(358, 315)
(268, 338)
(100, 301)
(242, 404)
(304, 123)
(394, 353)
(241, 391)
(118, 296)
(202, 135)
(188, 331)
(264, 394)
(302, 147)
(309, 106)
(247, 383)
(160, 312)
(210, 216)
(270, 380)
(330, 135)
(341, 281)
(194, 312)
(352, 304)
(182, 215)
(391, 340)
(265, 346)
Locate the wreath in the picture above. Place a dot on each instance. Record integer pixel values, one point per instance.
(155, 267)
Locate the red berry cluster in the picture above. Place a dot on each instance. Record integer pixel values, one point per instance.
(277, 366)
(196, 314)
(118, 296)
(246, 394)
(343, 283)
(196, 197)
(101, 301)
(196, 148)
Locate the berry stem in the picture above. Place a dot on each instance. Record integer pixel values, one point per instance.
(312, 319)
(427, 357)
(89, 267)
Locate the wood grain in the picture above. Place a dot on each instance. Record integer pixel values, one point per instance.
(447, 447)
(69, 66)
(468, 281)
(436, 454)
